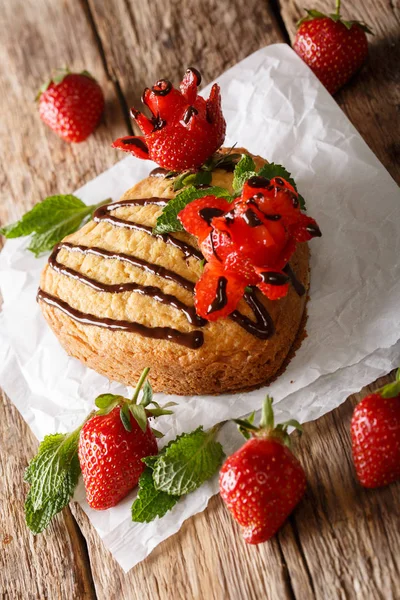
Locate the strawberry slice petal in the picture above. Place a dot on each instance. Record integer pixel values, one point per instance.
(135, 144)
(217, 292)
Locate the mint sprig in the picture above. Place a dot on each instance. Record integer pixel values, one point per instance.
(245, 169)
(150, 502)
(179, 469)
(168, 221)
(49, 221)
(53, 475)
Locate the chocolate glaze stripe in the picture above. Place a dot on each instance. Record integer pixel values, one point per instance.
(255, 328)
(118, 288)
(263, 327)
(102, 214)
(297, 285)
(193, 339)
(132, 260)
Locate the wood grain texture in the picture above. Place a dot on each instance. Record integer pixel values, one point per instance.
(342, 541)
(36, 37)
(371, 100)
(51, 565)
(146, 40)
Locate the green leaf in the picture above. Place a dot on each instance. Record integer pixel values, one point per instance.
(38, 520)
(125, 418)
(105, 400)
(157, 434)
(391, 390)
(53, 475)
(150, 503)
(49, 221)
(168, 222)
(46, 471)
(188, 462)
(245, 169)
(267, 414)
(147, 396)
(139, 414)
(150, 461)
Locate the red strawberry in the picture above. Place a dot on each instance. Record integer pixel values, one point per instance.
(185, 129)
(110, 457)
(71, 104)
(375, 433)
(246, 242)
(262, 482)
(113, 442)
(333, 48)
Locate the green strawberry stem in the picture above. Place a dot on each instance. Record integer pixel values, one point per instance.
(337, 7)
(391, 390)
(139, 384)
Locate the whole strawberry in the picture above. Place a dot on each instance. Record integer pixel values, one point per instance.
(333, 48)
(71, 104)
(112, 444)
(185, 129)
(262, 482)
(375, 434)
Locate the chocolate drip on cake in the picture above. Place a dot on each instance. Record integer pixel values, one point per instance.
(193, 339)
(262, 327)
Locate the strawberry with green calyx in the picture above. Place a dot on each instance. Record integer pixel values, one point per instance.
(375, 433)
(71, 104)
(332, 47)
(262, 482)
(184, 130)
(54, 472)
(113, 442)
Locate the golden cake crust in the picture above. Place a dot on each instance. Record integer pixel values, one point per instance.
(230, 359)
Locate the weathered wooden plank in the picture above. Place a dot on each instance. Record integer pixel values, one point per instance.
(37, 36)
(348, 536)
(371, 100)
(151, 39)
(51, 565)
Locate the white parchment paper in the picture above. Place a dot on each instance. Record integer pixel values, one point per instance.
(275, 107)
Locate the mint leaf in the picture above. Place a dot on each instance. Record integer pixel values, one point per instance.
(38, 520)
(168, 222)
(150, 503)
(53, 475)
(244, 169)
(188, 462)
(189, 178)
(272, 170)
(49, 221)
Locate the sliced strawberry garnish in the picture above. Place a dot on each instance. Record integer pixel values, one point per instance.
(184, 130)
(135, 144)
(246, 242)
(198, 215)
(217, 292)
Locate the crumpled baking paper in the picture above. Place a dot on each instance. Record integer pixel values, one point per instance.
(275, 107)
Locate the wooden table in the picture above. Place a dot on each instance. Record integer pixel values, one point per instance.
(342, 541)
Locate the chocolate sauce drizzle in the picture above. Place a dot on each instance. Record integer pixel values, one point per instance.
(297, 285)
(136, 141)
(251, 218)
(209, 212)
(262, 327)
(158, 172)
(102, 214)
(193, 339)
(189, 112)
(221, 298)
